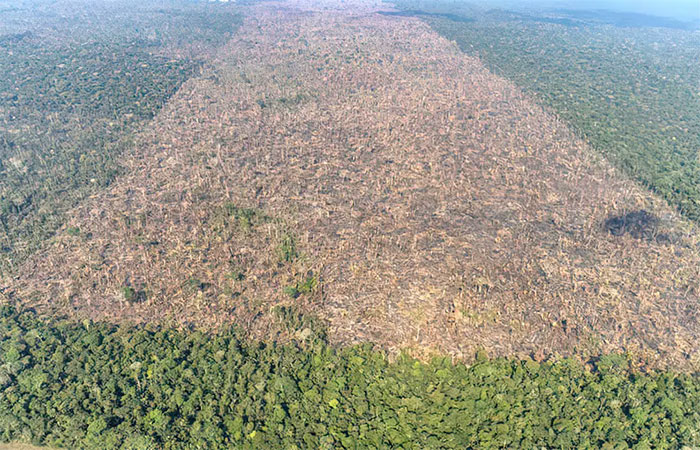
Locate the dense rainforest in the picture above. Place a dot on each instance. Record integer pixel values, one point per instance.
(94, 385)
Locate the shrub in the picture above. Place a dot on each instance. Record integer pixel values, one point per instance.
(304, 287)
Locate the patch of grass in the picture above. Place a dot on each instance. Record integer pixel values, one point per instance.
(133, 295)
(293, 100)
(73, 231)
(287, 249)
(302, 287)
(229, 219)
(195, 284)
(477, 318)
(236, 275)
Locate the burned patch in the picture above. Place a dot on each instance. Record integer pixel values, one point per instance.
(639, 224)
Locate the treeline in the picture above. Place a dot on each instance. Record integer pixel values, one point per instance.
(94, 385)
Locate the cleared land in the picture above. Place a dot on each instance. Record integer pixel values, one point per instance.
(364, 169)
(76, 82)
(626, 83)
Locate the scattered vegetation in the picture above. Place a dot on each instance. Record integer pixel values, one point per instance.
(73, 231)
(230, 219)
(303, 287)
(287, 249)
(93, 385)
(132, 295)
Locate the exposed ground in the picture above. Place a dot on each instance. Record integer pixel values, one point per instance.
(16, 446)
(440, 208)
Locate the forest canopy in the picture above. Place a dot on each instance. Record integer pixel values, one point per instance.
(94, 385)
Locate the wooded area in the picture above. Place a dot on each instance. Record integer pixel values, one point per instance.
(93, 385)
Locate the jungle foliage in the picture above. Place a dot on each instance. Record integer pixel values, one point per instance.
(70, 104)
(94, 385)
(629, 85)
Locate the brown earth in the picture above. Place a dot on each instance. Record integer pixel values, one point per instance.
(440, 208)
(18, 446)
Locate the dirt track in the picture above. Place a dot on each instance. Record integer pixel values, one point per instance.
(441, 209)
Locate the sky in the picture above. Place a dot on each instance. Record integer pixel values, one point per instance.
(687, 10)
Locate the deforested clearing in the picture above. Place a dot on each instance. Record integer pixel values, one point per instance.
(362, 168)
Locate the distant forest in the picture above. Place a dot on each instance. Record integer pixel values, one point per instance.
(628, 83)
